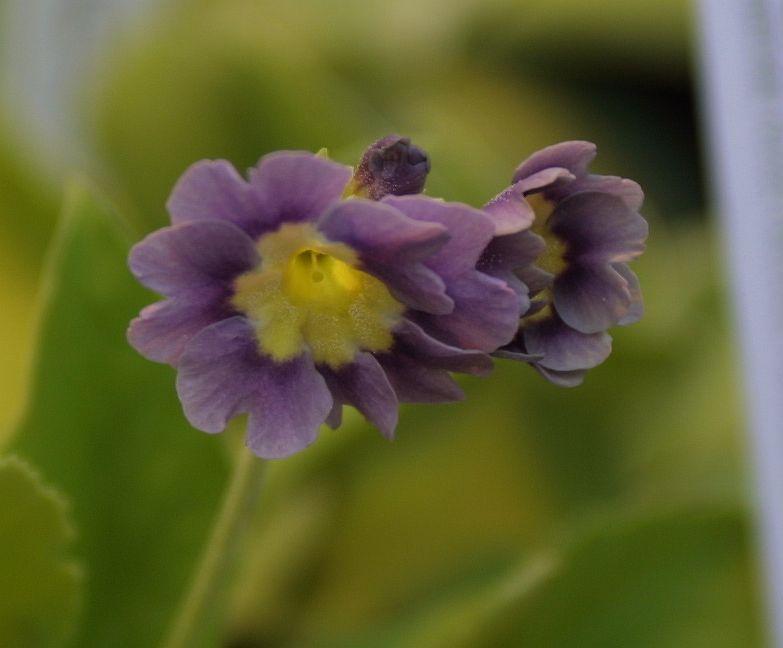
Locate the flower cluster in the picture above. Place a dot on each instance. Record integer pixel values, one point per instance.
(308, 286)
(566, 238)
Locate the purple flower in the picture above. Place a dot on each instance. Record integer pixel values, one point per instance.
(285, 301)
(392, 165)
(565, 237)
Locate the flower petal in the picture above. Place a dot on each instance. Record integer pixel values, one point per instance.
(414, 382)
(563, 348)
(506, 256)
(162, 330)
(509, 211)
(627, 190)
(562, 378)
(486, 310)
(411, 339)
(485, 316)
(591, 298)
(575, 156)
(192, 257)
(295, 186)
(335, 417)
(636, 309)
(363, 384)
(599, 227)
(392, 247)
(214, 190)
(552, 176)
(221, 374)
(470, 231)
(287, 409)
(535, 279)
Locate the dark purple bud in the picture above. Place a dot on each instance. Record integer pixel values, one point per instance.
(392, 165)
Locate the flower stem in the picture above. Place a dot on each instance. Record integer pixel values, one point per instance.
(197, 607)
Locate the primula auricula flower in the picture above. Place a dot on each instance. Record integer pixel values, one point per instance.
(287, 297)
(583, 229)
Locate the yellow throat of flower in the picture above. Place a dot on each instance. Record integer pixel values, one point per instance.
(307, 294)
(552, 259)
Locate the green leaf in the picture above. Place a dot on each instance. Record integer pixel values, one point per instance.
(28, 208)
(105, 425)
(683, 578)
(39, 584)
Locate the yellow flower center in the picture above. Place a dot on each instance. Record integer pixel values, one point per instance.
(552, 259)
(307, 294)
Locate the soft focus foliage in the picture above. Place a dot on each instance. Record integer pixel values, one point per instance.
(110, 433)
(611, 515)
(40, 584)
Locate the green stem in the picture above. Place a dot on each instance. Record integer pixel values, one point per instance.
(200, 599)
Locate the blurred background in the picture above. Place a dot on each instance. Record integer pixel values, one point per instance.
(615, 514)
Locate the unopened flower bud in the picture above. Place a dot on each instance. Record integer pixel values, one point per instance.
(392, 165)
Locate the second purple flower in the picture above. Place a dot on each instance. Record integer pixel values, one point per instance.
(565, 237)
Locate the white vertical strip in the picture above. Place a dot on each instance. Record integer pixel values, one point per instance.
(50, 50)
(742, 69)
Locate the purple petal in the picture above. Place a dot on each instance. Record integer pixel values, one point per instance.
(574, 156)
(506, 255)
(545, 178)
(162, 330)
(213, 190)
(364, 384)
(335, 417)
(562, 171)
(627, 190)
(485, 316)
(192, 257)
(294, 186)
(392, 247)
(217, 372)
(636, 309)
(221, 374)
(411, 340)
(509, 211)
(599, 227)
(470, 231)
(414, 382)
(486, 310)
(563, 348)
(535, 279)
(562, 378)
(591, 298)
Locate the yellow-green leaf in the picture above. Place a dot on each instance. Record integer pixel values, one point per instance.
(40, 584)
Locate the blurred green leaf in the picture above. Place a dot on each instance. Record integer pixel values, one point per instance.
(105, 425)
(39, 584)
(682, 578)
(643, 579)
(28, 208)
